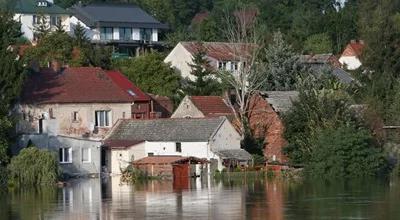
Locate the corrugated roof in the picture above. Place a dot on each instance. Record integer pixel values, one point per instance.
(220, 50)
(120, 15)
(211, 106)
(281, 101)
(31, 7)
(73, 85)
(174, 130)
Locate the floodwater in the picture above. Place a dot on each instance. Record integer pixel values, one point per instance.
(210, 199)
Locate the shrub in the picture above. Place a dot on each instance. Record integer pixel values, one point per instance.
(345, 152)
(33, 167)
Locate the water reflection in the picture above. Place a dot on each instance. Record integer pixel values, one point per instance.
(206, 199)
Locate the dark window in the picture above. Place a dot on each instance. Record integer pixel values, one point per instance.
(55, 20)
(125, 33)
(102, 118)
(106, 33)
(150, 154)
(40, 126)
(51, 114)
(178, 147)
(145, 34)
(75, 116)
(65, 155)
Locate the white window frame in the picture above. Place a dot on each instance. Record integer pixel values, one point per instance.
(63, 161)
(107, 123)
(89, 155)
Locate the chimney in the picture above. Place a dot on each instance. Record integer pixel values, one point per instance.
(55, 65)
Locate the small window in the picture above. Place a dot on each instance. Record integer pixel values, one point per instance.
(178, 147)
(123, 114)
(86, 155)
(51, 114)
(150, 154)
(234, 66)
(65, 155)
(102, 118)
(55, 20)
(75, 116)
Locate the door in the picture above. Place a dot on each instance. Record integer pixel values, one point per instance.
(181, 176)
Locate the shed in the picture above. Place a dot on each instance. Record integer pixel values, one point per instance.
(234, 157)
(170, 166)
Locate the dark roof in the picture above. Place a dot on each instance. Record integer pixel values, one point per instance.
(174, 130)
(123, 82)
(74, 85)
(31, 7)
(238, 154)
(121, 144)
(116, 15)
(211, 105)
(281, 101)
(167, 160)
(223, 51)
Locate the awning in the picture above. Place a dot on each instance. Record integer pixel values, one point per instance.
(238, 154)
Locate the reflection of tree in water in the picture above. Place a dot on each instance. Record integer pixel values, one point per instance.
(32, 203)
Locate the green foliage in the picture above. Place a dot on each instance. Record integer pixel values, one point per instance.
(80, 38)
(282, 65)
(41, 29)
(318, 43)
(252, 144)
(206, 82)
(33, 167)
(344, 152)
(98, 56)
(151, 74)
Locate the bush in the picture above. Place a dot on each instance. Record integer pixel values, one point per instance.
(345, 152)
(33, 167)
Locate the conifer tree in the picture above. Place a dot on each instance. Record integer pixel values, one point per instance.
(80, 38)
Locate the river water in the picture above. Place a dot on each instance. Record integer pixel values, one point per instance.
(209, 199)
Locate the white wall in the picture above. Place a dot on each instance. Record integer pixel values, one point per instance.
(187, 109)
(180, 59)
(225, 138)
(121, 158)
(135, 33)
(350, 62)
(92, 34)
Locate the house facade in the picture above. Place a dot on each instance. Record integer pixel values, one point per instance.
(220, 55)
(126, 27)
(70, 111)
(31, 13)
(205, 138)
(351, 55)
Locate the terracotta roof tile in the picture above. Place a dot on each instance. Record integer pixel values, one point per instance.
(123, 82)
(220, 50)
(211, 105)
(73, 85)
(353, 49)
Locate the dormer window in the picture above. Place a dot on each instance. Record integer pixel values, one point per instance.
(42, 3)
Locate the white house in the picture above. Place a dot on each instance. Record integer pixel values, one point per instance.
(30, 13)
(126, 27)
(221, 56)
(213, 139)
(350, 57)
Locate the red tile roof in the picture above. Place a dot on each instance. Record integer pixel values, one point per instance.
(211, 106)
(220, 50)
(166, 160)
(354, 48)
(74, 85)
(123, 82)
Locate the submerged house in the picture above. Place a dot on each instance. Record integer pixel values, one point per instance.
(125, 27)
(206, 138)
(70, 111)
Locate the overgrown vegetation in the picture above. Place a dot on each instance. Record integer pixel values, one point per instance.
(33, 167)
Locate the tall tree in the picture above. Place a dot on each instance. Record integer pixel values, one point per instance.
(205, 82)
(10, 77)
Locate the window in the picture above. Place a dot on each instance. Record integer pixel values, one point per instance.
(86, 155)
(106, 33)
(36, 19)
(222, 65)
(55, 20)
(42, 3)
(145, 34)
(65, 155)
(40, 126)
(150, 154)
(75, 116)
(123, 114)
(178, 147)
(102, 118)
(234, 66)
(51, 113)
(125, 33)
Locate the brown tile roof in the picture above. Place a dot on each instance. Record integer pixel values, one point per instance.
(354, 48)
(220, 50)
(166, 160)
(211, 106)
(73, 85)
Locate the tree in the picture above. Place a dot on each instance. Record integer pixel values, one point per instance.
(282, 65)
(205, 82)
(343, 152)
(80, 38)
(11, 77)
(41, 28)
(318, 43)
(151, 74)
(33, 167)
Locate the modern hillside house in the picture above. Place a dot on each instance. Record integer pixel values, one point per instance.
(126, 27)
(30, 13)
